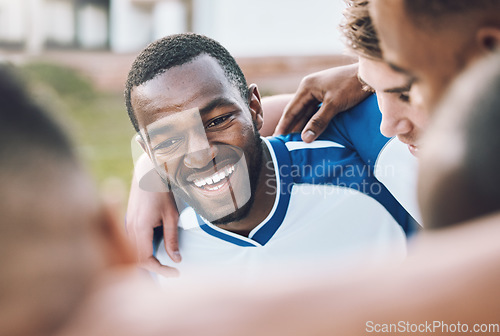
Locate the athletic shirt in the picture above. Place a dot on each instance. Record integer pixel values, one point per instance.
(331, 208)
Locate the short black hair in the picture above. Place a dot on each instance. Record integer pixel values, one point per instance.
(175, 50)
(25, 128)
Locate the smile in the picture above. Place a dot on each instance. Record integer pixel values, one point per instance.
(213, 182)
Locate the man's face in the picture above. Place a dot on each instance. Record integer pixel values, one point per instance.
(428, 58)
(399, 117)
(202, 137)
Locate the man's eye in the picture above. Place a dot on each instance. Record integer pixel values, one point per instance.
(404, 97)
(217, 121)
(168, 145)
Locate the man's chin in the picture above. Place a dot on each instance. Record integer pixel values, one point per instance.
(238, 215)
(213, 217)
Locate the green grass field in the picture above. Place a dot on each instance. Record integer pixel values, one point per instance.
(96, 121)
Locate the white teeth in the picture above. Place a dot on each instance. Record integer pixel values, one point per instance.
(215, 178)
(214, 188)
(199, 183)
(228, 170)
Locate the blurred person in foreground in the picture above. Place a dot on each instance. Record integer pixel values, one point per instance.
(55, 236)
(253, 201)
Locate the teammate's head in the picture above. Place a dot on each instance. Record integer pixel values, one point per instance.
(459, 177)
(432, 41)
(54, 236)
(199, 123)
(399, 117)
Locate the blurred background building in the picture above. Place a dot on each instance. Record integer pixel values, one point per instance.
(293, 36)
(258, 27)
(78, 53)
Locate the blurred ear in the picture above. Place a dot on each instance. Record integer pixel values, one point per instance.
(141, 142)
(255, 105)
(489, 38)
(116, 246)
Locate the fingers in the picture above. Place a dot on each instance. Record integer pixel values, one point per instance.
(171, 237)
(170, 230)
(144, 248)
(142, 240)
(338, 88)
(318, 122)
(307, 114)
(293, 112)
(153, 265)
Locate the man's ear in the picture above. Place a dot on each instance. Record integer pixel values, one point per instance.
(140, 141)
(489, 38)
(255, 105)
(116, 246)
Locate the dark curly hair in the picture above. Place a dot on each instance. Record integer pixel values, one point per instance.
(358, 31)
(175, 50)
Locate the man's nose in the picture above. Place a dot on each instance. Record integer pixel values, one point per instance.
(199, 153)
(394, 125)
(394, 122)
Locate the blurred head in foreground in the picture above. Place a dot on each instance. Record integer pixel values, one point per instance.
(55, 237)
(460, 163)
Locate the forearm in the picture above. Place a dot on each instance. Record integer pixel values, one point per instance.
(273, 107)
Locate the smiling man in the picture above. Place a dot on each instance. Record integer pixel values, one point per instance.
(214, 180)
(254, 201)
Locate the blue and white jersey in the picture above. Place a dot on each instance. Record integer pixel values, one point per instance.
(389, 159)
(329, 210)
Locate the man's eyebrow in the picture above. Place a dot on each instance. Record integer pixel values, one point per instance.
(218, 102)
(399, 69)
(400, 89)
(152, 133)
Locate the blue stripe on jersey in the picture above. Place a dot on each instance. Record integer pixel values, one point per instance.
(222, 235)
(283, 159)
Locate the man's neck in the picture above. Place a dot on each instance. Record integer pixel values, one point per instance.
(265, 194)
